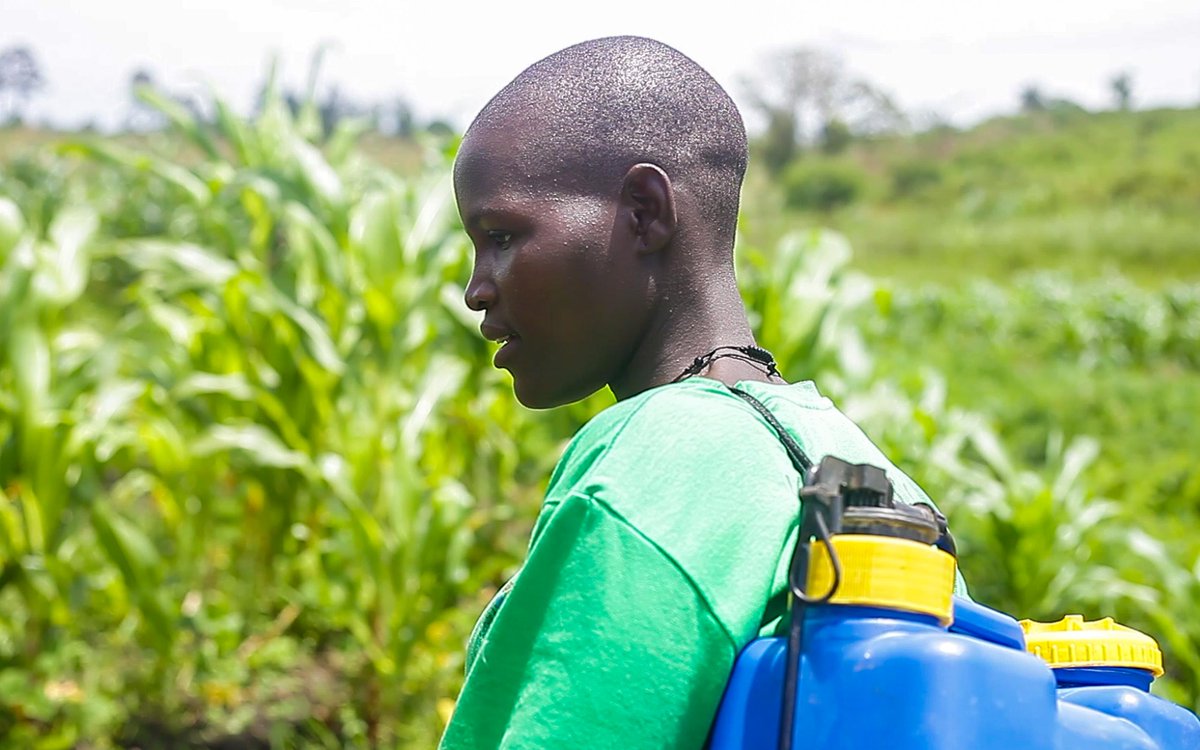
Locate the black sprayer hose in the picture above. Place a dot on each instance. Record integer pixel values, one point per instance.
(795, 641)
(797, 582)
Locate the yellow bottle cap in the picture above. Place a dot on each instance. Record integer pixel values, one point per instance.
(882, 571)
(1075, 642)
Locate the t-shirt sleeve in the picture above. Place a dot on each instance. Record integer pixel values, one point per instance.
(603, 641)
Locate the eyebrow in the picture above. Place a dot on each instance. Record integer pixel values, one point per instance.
(475, 217)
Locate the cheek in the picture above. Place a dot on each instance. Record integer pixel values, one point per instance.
(559, 281)
(569, 289)
(550, 289)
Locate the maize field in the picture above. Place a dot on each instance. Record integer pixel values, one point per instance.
(258, 476)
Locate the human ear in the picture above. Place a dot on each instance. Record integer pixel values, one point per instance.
(648, 203)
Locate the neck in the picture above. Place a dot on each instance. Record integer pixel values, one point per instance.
(690, 322)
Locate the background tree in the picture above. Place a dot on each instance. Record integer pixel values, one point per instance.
(396, 118)
(1032, 99)
(1121, 86)
(142, 115)
(835, 137)
(868, 110)
(806, 98)
(20, 78)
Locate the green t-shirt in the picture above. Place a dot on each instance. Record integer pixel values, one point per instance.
(661, 550)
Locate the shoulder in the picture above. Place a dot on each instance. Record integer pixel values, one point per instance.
(691, 466)
(824, 430)
(692, 399)
(669, 427)
(698, 475)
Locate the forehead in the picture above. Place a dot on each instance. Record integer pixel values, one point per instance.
(489, 181)
(496, 184)
(514, 155)
(491, 162)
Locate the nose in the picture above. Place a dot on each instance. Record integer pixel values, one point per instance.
(480, 292)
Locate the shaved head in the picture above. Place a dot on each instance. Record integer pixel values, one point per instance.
(578, 120)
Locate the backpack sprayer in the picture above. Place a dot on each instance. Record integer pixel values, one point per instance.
(879, 653)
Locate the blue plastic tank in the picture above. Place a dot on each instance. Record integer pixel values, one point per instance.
(873, 677)
(879, 654)
(883, 677)
(1106, 667)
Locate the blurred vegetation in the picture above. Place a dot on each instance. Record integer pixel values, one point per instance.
(258, 476)
(1057, 189)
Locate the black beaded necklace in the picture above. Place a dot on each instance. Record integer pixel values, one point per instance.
(752, 354)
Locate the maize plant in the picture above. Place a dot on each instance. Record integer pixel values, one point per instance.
(258, 475)
(244, 416)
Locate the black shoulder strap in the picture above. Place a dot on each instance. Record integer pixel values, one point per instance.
(801, 461)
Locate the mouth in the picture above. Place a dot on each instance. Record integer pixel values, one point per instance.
(508, 345)
(503, 336)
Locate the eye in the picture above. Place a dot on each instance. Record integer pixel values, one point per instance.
(503, 240)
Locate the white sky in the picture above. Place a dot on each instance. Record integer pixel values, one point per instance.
(963, 60)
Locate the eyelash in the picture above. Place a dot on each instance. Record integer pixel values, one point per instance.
(503, 240)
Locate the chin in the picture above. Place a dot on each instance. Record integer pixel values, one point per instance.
(541, 396)
(537, 400)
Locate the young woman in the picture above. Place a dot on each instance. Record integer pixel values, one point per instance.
(600, 189)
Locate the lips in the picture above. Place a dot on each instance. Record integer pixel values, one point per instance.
(496, 332)
(503, 336)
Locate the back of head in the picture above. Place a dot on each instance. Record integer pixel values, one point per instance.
(580, 118)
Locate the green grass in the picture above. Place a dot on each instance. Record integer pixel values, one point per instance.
(1081, 193)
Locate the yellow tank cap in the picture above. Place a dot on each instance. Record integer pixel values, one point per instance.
(1075, 642)
(880, 571)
